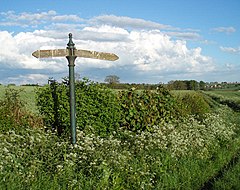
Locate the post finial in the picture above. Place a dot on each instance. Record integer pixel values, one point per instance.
(70, 43)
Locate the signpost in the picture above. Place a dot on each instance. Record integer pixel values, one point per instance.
(71, 53)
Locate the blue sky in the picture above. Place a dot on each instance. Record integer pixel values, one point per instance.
(157, 41)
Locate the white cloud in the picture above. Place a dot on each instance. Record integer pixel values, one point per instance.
(227, 30)
(127, 22)
(16, 51)
(63, 18)
(140, 24)
(231, 50)
(156, 52)
(146, 51)
(26, 19)
(184, 35)
(33, 16)
(103, 33)
(28, 79)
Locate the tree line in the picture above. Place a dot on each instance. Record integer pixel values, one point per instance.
(113, 81)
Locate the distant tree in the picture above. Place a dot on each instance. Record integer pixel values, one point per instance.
(29, 84)
(179, 85)
(77, 77)
(11, 84)
(202, 85)
(192, 85)
(112, 79)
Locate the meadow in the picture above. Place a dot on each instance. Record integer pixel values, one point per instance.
(125, 140)
(229, 98)
(27, 96)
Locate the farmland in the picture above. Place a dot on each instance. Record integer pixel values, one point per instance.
(27, 95)
(125, 140)
(230, 98)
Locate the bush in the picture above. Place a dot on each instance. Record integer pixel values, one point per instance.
(193, 103)
(143, 109)
(97, 107)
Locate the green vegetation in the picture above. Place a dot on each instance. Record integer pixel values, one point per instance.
(230, 179)
(230, 98)
(27, 95)
(97, 107)
(112, 79)
(142, 110)
(193, 103)
(176, 85)
(126, 140)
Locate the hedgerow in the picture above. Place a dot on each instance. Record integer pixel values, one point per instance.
(144, 109)
(97, 107)
(175, 154)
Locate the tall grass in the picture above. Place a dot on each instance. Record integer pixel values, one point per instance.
(230, 180)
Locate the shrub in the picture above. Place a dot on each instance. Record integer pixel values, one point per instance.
(143, 109)
(193, 103)
(97, 107)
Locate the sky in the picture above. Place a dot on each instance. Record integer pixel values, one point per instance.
(157, 41)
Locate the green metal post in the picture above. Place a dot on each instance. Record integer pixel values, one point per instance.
(71, 59)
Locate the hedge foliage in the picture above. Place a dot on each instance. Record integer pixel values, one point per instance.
(144, 109)
(97, 107)
(102, 110)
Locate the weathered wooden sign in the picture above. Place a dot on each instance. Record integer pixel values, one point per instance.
(71, 53)
(78, 53)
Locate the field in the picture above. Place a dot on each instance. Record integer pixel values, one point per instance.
(230, 98)
(125, 140)
(226, 94)
(27, 96)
